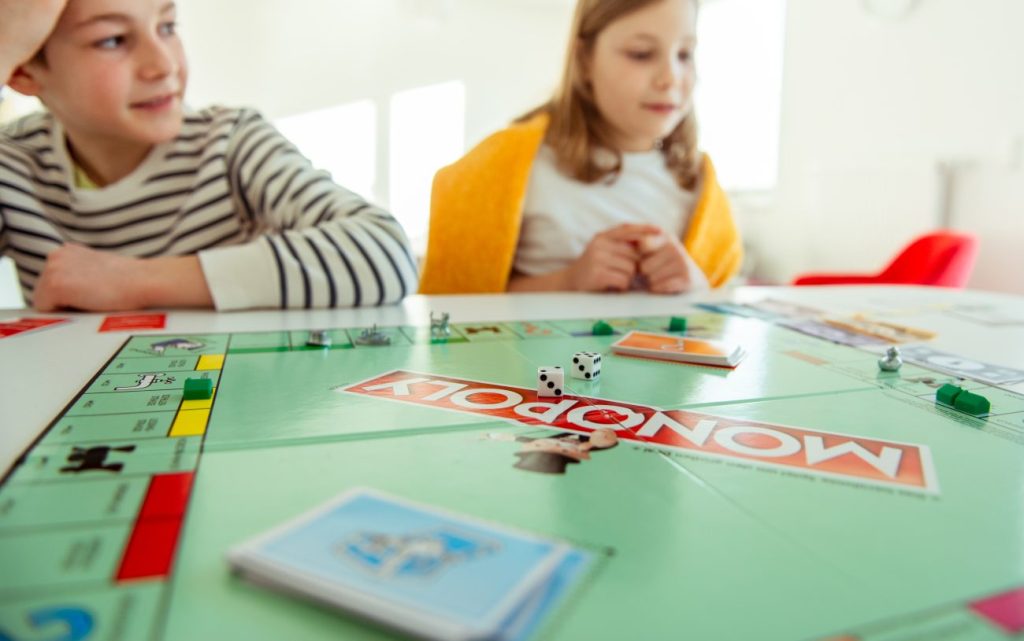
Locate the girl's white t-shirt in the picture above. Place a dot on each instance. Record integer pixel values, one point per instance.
(561, 215)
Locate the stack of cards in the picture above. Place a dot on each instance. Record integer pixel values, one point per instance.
(675, 348)
(414, 568)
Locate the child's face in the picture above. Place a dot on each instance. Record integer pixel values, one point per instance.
(115, 70)
(642, 72)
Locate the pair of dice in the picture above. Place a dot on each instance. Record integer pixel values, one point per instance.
(551, 379)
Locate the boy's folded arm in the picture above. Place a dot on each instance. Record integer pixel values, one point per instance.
(324, 246)
(82, 278)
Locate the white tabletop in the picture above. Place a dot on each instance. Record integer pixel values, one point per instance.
(41, 371)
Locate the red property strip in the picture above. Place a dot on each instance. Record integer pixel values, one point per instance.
(1005, 610)
(17, 326)
(167, 496)
(154, 539)
(131, 322)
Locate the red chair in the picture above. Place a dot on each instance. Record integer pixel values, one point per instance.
(942, 258)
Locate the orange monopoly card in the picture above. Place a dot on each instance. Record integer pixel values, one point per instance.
(678, 348)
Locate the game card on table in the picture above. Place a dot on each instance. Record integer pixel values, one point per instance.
(675, 348)
(413, 567)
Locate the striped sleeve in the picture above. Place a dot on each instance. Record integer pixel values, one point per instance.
(323, 245)
(9, 175)
(3, 229)
(25, 235)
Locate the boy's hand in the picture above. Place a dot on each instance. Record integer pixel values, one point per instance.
(24, 27)
(609, 262)
(663, 263)
(77, 277)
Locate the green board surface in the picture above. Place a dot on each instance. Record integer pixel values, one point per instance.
(803, 495)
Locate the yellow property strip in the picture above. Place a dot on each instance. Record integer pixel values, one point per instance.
(210, 361)
(190, 423)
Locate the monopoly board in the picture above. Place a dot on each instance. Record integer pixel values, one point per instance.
(802, 495)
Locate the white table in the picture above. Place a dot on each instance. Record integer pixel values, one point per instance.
(805, 549)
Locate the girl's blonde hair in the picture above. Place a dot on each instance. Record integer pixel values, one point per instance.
(577, 128)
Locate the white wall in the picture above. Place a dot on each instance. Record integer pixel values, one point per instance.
(503, 56)
(319, 53)
(870, 108)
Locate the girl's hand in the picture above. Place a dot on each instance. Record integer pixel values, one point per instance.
(664, 264)
(610, 260)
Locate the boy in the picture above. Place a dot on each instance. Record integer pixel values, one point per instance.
(120, 199)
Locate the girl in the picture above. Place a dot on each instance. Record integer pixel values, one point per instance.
(600, 189)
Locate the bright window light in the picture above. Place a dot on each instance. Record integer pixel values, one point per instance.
(427, 132)
(10, 290)
(14, 105)
(739, 89)
(341, 140)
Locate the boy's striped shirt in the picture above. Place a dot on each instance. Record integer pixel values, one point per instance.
(270, 230)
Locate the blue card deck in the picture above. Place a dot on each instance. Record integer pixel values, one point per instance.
(420, 570)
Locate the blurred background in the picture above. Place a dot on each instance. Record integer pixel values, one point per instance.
(840, 128)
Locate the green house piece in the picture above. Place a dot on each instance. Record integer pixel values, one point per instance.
(677, 324)
(198, 389)
(974, 404)
(602, 328)
(947, 394)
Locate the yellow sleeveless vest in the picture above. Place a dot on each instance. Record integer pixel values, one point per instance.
(477, 203)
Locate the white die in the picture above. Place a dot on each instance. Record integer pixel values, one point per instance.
(550, 381)
(586, 365)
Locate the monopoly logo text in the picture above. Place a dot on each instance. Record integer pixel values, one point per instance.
(812, 452)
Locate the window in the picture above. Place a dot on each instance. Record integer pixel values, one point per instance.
(10, 290)
(428, 127)
(426, 130)
(739, 89)
(13, 105)
(341, 140)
